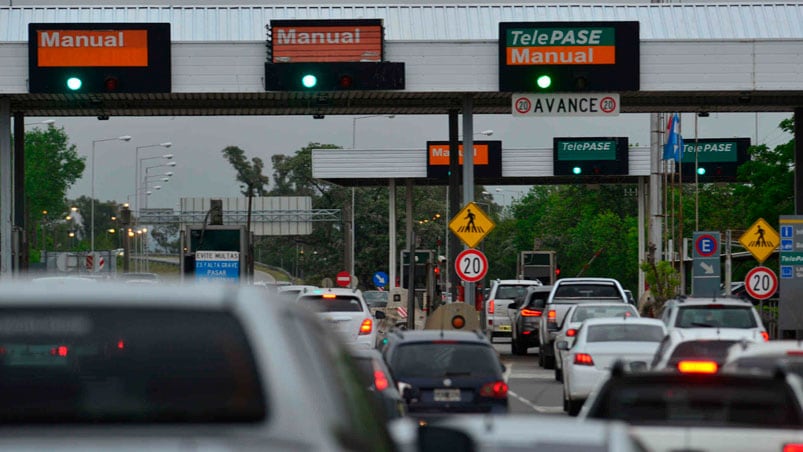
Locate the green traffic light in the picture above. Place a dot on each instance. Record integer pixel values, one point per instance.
(544, 81)
(701, 171)
(74, 83)
(577, 170)
(309, 81)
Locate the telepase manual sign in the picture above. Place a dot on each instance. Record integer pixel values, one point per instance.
(566, 104)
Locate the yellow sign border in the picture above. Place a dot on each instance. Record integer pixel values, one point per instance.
(464, 235)
(749, 233)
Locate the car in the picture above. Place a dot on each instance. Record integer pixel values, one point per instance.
(100, 367)
(503, 292)
(715, 314)
(290, 292)
(765, 356)
(575, 317)
(699, 410)
(515, 432)
(379, 382)
(683, 348)
(376, 298)
(526, 319)
(599, 343)
(565, 293)
(345, 312)
(444, 372)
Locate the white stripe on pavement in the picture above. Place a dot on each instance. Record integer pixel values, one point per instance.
(539, 376)
(540, 409)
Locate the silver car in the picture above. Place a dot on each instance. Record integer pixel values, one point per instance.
(103, 366)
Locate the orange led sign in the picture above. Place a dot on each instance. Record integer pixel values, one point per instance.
(298, 41)
(92, 48)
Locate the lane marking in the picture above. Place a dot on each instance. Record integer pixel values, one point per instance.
(540, 409)
(529, 404)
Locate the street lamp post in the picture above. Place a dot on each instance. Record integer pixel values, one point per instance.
(353, 190)
(138, 169)
(92, 209)
(145, 181)
(166, 144)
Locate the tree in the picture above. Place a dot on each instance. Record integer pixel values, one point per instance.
(52, 166)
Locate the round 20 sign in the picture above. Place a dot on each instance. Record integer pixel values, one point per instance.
(471, 265)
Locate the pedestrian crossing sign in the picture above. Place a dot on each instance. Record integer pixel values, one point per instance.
(471, 224)
(760, 239)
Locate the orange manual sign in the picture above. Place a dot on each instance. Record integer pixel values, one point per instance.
(92, 48)
(439, 154)
(327, 43)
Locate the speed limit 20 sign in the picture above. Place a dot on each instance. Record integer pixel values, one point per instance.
(761, 283)
(471, 265)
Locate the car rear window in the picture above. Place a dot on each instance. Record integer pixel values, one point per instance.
(598, 290)
(511, 291)
(444, 359)
(126, 365)
(714, 349)
(627, 333)
(707, 401)
(338, 303)
(583, 313)
(715, 316)
(537, 300)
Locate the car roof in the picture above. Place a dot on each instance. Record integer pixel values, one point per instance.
(586, 279)
(622, 320)
(706, 333)
(436, 335)
(770, 348)
(292, 287)
(696, 301)
(518, 282)
(335, 290)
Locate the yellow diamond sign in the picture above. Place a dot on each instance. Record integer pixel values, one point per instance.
(760, 239)
(471, 224)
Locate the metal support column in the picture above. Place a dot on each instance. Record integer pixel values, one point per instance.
(6, 188)
(392, 234)
(21, 248)
(468, 171)
(452, 242)
(655, 242)
(410, 243)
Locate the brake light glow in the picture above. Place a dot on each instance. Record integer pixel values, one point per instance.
(531, 313)
(61, 350)
(120, 344)
(380, 380)
(490, 307)
(571, 332)
(552, 315)
(698, 367)
(793, 447)
(495, 390)
(583, 359)
(329, 295)
(766, 336)
(366, 327)
(788, 352)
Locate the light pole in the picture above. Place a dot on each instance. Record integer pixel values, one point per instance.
(138, 166)
(92, 209)
(145, 178)
(353, 190)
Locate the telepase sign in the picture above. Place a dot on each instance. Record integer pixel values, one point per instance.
(566, 104)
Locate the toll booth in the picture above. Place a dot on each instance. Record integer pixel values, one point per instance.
(540, 265)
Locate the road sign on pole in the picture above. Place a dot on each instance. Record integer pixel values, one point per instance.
(760, 239)
(471, 224)
(471, 265)
(761, 283)
(706, 270)
(343, 279)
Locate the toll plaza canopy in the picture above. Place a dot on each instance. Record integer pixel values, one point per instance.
(693, 57)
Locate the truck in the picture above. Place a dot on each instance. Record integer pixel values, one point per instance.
(565, 293)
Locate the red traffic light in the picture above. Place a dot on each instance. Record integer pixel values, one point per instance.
(111, 83)
(345, 81)
(437, 270)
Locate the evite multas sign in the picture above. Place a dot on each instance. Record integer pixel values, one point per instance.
(99, 58)
(296, 41)
(576, 56)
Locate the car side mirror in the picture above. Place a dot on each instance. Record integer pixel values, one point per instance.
(562, 345)
(379, 315)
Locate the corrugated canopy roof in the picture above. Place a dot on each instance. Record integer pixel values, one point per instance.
(431, 22)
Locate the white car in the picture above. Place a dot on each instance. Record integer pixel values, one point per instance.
(598, 345)
(575, 317)
(503, 293)
(721, 315)
(345, 312)
(168, 367)
(685, 347)
(765, 356)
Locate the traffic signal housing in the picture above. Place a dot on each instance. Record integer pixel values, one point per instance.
(710, 160)
(591, 156)
(340, 76)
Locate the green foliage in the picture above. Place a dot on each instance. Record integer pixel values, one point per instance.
(664, 281)
(248, 173)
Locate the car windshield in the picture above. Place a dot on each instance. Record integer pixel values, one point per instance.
(582, 313)
(331, 303)
(511, 292)
(126, 365)
(444, 359)
(734, 402)
(626, 333)
(586, 290)
(376, 299)
(715, 316)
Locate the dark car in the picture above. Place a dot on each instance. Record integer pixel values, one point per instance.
(445, 372)
(527, 318)
(379, 382)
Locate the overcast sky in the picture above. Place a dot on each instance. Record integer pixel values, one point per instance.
(201, 170)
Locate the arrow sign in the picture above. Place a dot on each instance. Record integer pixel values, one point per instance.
(380, 279)
(707, 268)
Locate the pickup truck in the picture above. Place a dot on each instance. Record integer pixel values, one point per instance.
(566, 293)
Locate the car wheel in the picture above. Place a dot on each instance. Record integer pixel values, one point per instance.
(522, 348)
(558, 374)
(574, 406)
(541, 357)
(514, 349)
(565, 402)
(549, 362)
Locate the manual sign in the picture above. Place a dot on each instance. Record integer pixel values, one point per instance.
(566, 104)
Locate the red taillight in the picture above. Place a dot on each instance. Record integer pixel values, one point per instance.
(571, 332)
(61, 350)
(552, 315)
(698, 367)
(793, 448)
(496, 390)
(490, 307)
(765, 335)
(583, 359)
(530, 313)
(2, 350)
(380, 380)
(788, 352)
(366, 326)
(120, 344)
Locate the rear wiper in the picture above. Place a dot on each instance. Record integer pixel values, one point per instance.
(457, 374)
(707, 325)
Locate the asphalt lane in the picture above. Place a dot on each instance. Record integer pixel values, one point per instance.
(532, 389)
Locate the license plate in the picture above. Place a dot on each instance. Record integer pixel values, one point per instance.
(504, 327)
(447, 395)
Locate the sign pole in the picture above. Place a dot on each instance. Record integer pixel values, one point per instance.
(468, 172)
(411, 284)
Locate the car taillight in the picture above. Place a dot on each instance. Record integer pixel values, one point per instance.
(61, 350)
(793, 448)
(490, 306)
(788, 352)
(530, 313)
(583, 359)
(765, 335)
(698, 367)
(496, 390)
(329, 296)
(380, 380)
(366, 326)
(571, 332)
(120, 344)
(552, 316)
